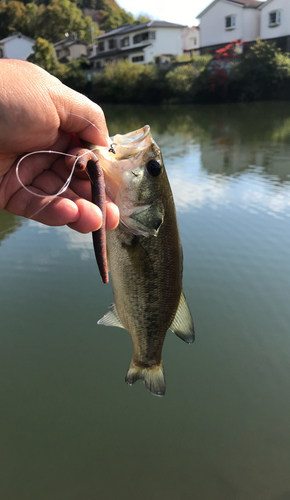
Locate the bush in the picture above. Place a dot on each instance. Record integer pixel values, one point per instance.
(184, 81)
(262, 73)
(126, 82)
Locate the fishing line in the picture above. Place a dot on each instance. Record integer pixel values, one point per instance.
(51, 196)
(68, 180)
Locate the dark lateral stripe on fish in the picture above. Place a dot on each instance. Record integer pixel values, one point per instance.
(87, 160)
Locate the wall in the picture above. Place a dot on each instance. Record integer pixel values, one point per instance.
(167, 41)
(77, 50)
(188, 36)
(283, 29)
(251, 24)
(212, 24)
(18, 48)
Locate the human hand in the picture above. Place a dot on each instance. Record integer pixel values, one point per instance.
(38, 112)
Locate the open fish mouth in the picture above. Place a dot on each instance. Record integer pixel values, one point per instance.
(127, 146)
(132, 139)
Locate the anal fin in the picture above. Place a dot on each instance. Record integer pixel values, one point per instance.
(111, 318)
(182, 324)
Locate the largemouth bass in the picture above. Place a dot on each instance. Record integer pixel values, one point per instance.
(144, 254)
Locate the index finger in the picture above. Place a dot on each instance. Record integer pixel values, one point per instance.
(80, 115)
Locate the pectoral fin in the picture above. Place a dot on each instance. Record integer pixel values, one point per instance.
(182, 324)
(111, 318)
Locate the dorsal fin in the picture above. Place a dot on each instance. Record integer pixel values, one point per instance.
(182, 324)
(111, 318)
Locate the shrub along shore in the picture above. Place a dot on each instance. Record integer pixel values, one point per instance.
(260, 72)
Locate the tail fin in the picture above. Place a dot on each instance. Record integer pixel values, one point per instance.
(153, 377)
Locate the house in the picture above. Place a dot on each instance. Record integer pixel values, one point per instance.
(275, 23)
(226, 20)
(143, 43)
(70, 48)
(190, 40)
(16, 46)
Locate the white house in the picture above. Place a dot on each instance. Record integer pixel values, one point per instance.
(190, 40)
(275, 23)
(70, 48)
(16, 46)
(225, 20)
(139, 44)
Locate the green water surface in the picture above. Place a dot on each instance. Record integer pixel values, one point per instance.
(70, 428)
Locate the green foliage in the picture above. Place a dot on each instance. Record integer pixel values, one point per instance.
(44, 56)
(62, 17)
(12, 18)
(116, 18)
(184, 80)
(52, 21)
(261, 73)
(71, 73)
(124, 82)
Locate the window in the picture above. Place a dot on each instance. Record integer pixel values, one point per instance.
(1, 53)
(137, 58)
(97, 65)
(274, 18)
(125, 42)
(230, 22)
(112, 44)
(101, 46)
(149, 35)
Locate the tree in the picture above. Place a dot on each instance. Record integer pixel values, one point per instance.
(44, 56)
(12, 18)
(116, 18)
(62, 18)
(261, 72)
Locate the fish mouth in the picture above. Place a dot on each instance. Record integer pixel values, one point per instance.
(129, 145)
(131, 139)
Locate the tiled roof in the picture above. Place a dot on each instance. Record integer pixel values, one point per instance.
(149, 24)
(69, 41)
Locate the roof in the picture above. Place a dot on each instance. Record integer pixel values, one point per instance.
(265, 3)
(69, 41)
(17, 35)
(118, 52)
(127, 28)
(254, 4)
(248, 3)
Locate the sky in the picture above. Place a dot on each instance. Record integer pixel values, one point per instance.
(181, 12)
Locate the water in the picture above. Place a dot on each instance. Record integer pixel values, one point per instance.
(70, 428)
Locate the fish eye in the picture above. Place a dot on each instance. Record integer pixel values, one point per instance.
(153, 168)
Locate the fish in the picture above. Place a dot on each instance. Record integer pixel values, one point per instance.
(144, 254)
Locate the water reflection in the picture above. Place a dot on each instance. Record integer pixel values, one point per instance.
(8, 224)
(232, 138)
(220, 155)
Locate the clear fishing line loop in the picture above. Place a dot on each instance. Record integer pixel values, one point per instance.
(67, 182)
